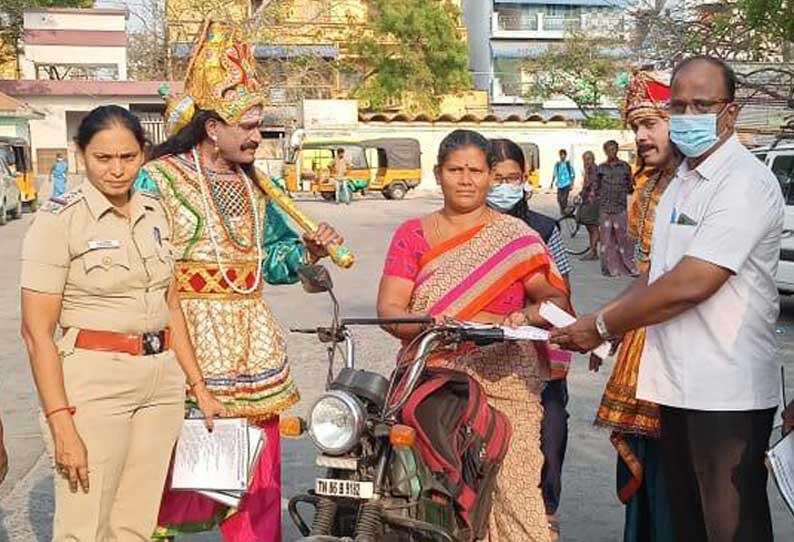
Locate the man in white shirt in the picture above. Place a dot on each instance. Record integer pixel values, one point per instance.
(711, 304)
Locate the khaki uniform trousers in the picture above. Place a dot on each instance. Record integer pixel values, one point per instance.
(129, 414)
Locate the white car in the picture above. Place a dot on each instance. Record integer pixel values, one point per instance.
(780, 159)
(10, 198)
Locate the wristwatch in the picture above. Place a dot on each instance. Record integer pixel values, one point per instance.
(601, 327)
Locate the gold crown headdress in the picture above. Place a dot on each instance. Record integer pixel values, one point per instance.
(649, 93)
(221, 77)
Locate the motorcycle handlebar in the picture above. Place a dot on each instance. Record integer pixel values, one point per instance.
(482, 336)
(388, 321)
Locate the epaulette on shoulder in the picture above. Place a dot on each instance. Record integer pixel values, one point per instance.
(150, 194)
(58, 204)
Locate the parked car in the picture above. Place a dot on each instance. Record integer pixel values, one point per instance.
(780, 159)
(10, 197)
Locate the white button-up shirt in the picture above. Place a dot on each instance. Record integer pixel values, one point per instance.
(723, 353)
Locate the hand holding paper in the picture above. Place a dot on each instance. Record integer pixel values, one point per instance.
(572, 334)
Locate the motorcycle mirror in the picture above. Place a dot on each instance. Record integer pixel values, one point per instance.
(315, 279)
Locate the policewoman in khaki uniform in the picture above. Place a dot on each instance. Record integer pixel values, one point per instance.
(97, 262)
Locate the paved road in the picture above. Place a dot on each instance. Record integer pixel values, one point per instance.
(590, 510)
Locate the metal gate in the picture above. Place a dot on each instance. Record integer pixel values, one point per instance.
(153, 126)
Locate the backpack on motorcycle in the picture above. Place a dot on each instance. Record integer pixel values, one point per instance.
(462, 440)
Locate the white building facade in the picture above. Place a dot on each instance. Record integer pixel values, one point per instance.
(503, 34)
(72, 61)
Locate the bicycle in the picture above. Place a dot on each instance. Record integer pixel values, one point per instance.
(576, 242)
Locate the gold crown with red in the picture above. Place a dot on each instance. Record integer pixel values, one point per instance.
(221, 77)
(648, 96)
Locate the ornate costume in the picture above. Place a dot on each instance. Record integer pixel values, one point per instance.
(229, 240)
(635, 423)
(223, 228)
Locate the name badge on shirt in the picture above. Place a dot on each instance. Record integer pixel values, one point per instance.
(96, 245)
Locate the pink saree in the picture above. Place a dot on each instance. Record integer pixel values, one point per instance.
(461, 278)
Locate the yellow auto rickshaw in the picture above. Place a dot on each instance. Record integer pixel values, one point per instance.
(316, 161)
(398, 168)
(532, 163)
(17, 154)
(390, 165)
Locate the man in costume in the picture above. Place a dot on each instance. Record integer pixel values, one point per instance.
(230, 239)
(635, 423)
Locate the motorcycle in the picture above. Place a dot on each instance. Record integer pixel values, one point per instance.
(376, 484)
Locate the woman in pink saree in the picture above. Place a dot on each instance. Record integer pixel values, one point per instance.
(469, 262)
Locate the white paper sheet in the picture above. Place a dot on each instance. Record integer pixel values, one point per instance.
(212, 461)
(559, 318)
(256, 443)
(780, 460)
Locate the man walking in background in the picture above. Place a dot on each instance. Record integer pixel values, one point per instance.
(563, 177)
(615, 185)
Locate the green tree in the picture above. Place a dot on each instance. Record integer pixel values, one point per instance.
(11, 21)
(773, 17)
(413, 48)
(754, 35)
(584, 70)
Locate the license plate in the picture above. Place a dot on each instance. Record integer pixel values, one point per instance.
(342, 463)
(344, 488)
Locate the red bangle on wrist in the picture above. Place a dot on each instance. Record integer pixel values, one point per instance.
(70, 409)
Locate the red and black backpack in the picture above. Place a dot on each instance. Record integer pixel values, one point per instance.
(462, 440)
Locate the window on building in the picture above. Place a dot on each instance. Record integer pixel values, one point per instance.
(77, 72)
(566, 12)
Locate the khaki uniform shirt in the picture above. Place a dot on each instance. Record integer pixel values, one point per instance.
(112, 271)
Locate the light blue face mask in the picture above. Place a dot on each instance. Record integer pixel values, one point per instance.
(505, 196)
(694, 135)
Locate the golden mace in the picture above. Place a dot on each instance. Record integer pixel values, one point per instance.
(339, 254)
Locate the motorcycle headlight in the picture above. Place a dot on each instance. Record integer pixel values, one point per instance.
(336, 421)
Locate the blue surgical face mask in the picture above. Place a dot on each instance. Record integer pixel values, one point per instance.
(505, 196)
(694, 135)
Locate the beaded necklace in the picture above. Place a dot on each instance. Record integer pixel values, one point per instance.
(256, 236)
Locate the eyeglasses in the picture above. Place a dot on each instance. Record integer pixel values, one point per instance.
(510, 179)
(700, 107)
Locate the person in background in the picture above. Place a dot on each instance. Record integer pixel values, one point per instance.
(507, 195)
(58, 175)
(3, 455)
(97, 264)
(711, 358)
(588, 213)
(340, 167)
(470, 262)
(563, 177)
(635, 424)
(614, 186)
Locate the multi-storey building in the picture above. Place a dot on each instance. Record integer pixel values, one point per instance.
(504, 33)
